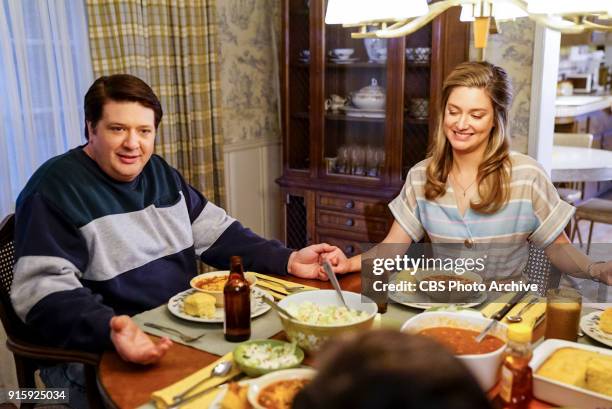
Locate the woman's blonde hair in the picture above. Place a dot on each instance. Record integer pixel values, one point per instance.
(493, 176)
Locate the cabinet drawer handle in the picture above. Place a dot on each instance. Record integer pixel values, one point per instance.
(349, 249)
(349, 204)
(349, 222)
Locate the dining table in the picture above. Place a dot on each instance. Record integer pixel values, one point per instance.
(126, 385)
(575, 164)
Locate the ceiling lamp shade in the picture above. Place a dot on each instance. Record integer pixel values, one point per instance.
(357, 11)
(503, 10)
(407, 16)
(500, 10)
(570, 7)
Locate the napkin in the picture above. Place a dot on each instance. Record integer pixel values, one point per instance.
(530, 316)
(163, 398)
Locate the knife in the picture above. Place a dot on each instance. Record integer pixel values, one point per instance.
(501, 314)
(334, 281)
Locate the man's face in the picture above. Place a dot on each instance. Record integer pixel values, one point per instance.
(122, 141)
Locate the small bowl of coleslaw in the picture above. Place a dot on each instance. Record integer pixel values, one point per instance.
(260, 357)
(320, 316)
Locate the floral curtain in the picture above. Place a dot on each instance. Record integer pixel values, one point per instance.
(172, 45)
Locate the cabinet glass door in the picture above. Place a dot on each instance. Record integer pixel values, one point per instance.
(416, 98)
(355, 99)
(299, 77)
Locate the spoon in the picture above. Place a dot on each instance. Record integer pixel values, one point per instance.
(278, 308)
(518, 317)
(221, 369)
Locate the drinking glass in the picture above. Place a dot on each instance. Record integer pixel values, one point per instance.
(563, 306)
(358, 159)
(342, 164)
(371, 161)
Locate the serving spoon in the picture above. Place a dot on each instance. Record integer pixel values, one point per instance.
(278, 308)
(334, 280)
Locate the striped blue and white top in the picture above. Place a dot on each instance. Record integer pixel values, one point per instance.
(534, 212)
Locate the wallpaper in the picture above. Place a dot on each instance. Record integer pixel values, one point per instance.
(512, 49)
(249, 35)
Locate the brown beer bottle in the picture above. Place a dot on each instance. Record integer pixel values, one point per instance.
(237, 303)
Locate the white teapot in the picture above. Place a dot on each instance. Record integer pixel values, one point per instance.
(370, 97)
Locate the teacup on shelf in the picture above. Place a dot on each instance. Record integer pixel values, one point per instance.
(335, 102)
(341, 53)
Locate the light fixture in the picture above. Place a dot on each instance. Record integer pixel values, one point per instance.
(393, 18)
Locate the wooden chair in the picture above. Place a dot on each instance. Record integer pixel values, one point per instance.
(593, 210)
(571, 192)
(22, 341)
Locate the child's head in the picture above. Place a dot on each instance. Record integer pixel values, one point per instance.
(389, 369)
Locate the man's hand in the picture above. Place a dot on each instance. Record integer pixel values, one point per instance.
(133, 345)
(339, 262)
(306, 263)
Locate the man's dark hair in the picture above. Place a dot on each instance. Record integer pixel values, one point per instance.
(118, 88)
(388, 369)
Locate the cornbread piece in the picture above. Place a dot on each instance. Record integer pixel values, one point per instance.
(599, 376)
(567, 365)
(199, 305)
(235, 397)
(584, 369)
(605, 321)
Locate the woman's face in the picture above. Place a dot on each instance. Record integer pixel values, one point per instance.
(468, 119)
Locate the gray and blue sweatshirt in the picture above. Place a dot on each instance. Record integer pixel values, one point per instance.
(89, 247)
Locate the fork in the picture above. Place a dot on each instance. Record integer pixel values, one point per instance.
(292, 289)
(184, 337)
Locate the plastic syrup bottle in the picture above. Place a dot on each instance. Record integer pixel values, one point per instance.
(516, 385)
(237, 303)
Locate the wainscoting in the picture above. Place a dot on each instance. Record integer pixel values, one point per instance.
(252, 195)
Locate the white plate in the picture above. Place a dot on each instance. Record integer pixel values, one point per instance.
(216, 403)
(421, 301)
(590, 326)
(560, 393)
(258, 384)
(258, 306)
(343, 60)
(363, 113)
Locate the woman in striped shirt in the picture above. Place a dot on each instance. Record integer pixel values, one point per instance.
(472, 191)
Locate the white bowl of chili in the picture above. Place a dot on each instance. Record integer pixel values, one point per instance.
(212, 283)
(456, 331)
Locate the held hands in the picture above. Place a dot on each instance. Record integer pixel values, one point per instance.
(339, 262)
(133, 345)
(306, 263)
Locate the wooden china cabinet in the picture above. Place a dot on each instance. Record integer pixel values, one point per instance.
(342, 165)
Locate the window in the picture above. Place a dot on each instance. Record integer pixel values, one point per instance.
(45, 70)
